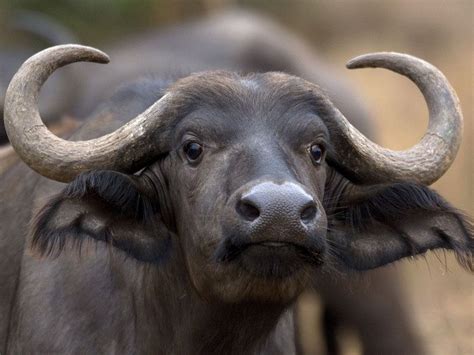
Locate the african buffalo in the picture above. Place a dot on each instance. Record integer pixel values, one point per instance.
(246, 42)
(194, 226)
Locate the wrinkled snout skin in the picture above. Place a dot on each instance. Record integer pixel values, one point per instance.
(271, 222)
(249, 219)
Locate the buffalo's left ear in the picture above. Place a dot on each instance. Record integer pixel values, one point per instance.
(123, 211)
(382, 224)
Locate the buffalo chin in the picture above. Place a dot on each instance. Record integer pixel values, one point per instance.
(258, 275)
(248, 288)
(273, 260)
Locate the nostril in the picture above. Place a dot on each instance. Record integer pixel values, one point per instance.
(248, 210)
(308, 213)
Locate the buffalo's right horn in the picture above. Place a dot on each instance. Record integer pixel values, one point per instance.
(127, 149)
(429, 159)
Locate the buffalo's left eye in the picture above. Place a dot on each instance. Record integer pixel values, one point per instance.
(317, 153)
(193, 150)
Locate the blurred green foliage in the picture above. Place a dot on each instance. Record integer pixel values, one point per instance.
(97, 20)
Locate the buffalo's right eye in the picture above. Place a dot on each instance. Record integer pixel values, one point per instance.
(193, 151)
(317, 153)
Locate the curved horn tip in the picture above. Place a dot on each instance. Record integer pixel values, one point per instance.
(100, 57)
(369, 59)
(353, 63)
(87, 53)
(96, 55)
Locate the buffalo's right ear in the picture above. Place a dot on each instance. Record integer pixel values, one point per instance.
(373, 226)
(106, 206)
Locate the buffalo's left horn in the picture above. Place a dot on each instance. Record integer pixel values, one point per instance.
(429, 159)
(127, 149)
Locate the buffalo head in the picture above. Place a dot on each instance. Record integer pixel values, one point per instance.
(255, 183)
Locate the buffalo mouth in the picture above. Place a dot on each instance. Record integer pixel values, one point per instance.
(270, 258)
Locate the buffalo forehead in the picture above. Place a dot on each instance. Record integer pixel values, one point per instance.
(258, 104)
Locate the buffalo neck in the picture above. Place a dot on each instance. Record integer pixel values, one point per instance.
(176, 317)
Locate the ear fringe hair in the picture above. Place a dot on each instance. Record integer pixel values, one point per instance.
(123, 200)
(388, 204)
(48, 242)
(117, 190)
(464, 252)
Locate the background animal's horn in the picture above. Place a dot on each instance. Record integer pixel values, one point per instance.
(426, 161)
(125, 149)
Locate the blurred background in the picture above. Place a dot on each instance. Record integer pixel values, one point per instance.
(440, 294)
